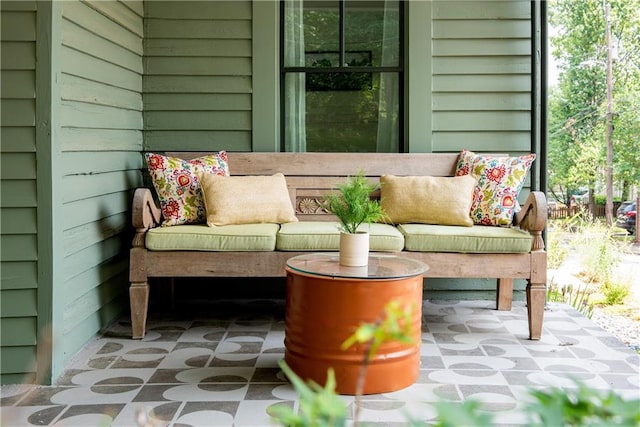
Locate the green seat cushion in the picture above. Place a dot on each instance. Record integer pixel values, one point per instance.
(325, 236)
(477, 239)
(244, 237)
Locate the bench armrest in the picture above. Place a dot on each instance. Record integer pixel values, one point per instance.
(533, 218)
(145, 214)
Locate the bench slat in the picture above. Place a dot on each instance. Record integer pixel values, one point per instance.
(336, 164)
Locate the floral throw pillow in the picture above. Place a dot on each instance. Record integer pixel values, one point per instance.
(178, 187)
(499, 181)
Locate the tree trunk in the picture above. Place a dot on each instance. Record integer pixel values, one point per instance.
(608, 211)
(637, 221)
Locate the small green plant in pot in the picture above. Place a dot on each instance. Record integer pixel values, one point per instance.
(352, 205)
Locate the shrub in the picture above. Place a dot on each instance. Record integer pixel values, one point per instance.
(615, 293)
(581, 406)
(599, 252)
(557, 250)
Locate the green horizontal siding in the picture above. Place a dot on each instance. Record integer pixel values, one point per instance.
(189, 29)
(19, 331)
(18, 201)
(18, 83)
(19, 247)
(17, 25)
(75, 163)
(93, 116)
(85, 305)
(18, 166)
(18, 220)
(85, 186)
(481, 47)
(501, 142)
(481, 29)
(97, 69)
(496, 65)
(19, 303)
(94, 277)
(107, 27)
(93, 209)
(474, 10)
(80, 238)
(481, 76)
(481, 121)
(482, 101)
(481, 83)
(127, 17)
(18, 275)
(197, 84)
(17, 193)
(198, 66)
(18, 139)
(91, 323)
(199, 120)
(84, 40)
(198, 102)
(93, 256)
(78, 139)
(100, 139)
(198, 76)
(18, 55)
(18, 112)
(195, 47)
(196, 140)
(18, 364)
(82, 90)
(199, 10)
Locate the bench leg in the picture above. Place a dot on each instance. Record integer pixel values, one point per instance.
(536, 299)
(139, 300)
(504, 294)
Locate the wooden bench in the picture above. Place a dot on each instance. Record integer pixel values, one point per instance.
(309, 176)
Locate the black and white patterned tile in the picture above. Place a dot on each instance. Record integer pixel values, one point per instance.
(223, 370)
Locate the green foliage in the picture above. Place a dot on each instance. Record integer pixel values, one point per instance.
(602, 200)
(615, 293)
(577, 297)
(319, 407)
(352, 204)
(467, 413)
(394, 326)
(581, 406)
(557, 250)
(599, 252)
(577, 106)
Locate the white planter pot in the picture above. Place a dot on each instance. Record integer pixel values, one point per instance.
(354, 249)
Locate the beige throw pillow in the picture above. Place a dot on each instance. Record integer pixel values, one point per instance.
(246, 199)
(427, 199)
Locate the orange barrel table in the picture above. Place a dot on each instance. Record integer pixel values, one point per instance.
(327, 302)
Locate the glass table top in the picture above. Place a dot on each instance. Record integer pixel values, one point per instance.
(381, 266)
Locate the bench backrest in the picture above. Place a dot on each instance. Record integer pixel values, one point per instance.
(311, 175)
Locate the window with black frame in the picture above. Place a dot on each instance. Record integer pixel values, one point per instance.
(342, 75)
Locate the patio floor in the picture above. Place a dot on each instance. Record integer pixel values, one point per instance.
(221, 369)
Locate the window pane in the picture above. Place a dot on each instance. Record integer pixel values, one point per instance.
(373, 27)
(344, 109)
(321, 33)
(343, 113)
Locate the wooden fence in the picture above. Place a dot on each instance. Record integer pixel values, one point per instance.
(563, 211)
